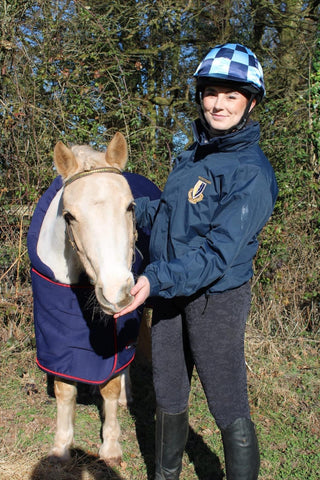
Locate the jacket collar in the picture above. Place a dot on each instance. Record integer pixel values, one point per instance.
(248, 135)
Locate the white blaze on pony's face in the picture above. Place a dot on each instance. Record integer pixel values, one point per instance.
(98, 209)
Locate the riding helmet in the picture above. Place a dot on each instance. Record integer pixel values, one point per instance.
(234, 64)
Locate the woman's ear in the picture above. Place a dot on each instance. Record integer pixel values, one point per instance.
(253, 104)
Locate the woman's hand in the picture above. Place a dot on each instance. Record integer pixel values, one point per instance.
(140, 292)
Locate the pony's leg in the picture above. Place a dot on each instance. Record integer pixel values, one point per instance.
(110, 450)
(65, 393)
(125, 397)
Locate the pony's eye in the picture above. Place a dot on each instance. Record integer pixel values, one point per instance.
(68, 217)
(131, 207)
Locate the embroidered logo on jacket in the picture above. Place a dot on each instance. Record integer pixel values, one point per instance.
(195, 194)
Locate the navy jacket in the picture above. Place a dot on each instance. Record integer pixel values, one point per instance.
(205, 226)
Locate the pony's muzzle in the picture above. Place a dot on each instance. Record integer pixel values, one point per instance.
(112, 300)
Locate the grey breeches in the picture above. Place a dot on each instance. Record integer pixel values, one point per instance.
(206, 332)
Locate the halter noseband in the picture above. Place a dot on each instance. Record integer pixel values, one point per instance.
(86, 173)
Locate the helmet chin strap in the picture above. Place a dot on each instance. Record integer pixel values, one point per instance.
(218, 133)
(246, 113)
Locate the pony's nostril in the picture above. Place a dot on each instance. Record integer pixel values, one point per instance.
(129, 283)
(112, 301)
(125, 302)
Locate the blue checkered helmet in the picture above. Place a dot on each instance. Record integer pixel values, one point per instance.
(231, 63)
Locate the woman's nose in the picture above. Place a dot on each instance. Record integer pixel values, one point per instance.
(218, 102)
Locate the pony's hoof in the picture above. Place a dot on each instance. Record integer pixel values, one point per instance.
(57, 455)
(111, 458)
(112, 462)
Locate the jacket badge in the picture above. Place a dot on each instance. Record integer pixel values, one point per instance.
(195, 194)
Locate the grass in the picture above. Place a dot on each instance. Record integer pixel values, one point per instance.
(284, 393)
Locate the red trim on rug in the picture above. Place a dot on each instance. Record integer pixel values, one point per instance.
(83, 380)
(62, 284)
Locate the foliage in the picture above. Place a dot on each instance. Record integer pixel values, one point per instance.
(315, 109)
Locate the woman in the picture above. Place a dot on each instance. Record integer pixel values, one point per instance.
(217, 199)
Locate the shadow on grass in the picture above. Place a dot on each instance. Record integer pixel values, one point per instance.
(81, 463)
(206, 464)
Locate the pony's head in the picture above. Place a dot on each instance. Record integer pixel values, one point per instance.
(98, 208)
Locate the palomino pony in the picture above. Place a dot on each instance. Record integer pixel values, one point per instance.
(88, 228)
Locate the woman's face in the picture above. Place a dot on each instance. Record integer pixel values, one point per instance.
(223, 107)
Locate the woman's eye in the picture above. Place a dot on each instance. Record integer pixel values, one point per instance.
(233, 96)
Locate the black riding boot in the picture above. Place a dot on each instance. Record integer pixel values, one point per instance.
(171, 437)
(241, 450)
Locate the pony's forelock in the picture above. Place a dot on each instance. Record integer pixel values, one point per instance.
(88, 157)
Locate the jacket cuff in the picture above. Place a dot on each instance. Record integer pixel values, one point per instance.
(154, 283)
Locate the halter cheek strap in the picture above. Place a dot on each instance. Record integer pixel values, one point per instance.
(79, 175)
(72, 179)
(70, 234)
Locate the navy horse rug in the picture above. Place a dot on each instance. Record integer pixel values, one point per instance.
(75, 340)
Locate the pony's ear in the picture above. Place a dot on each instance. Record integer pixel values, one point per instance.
(64, 160)
(117, 151)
